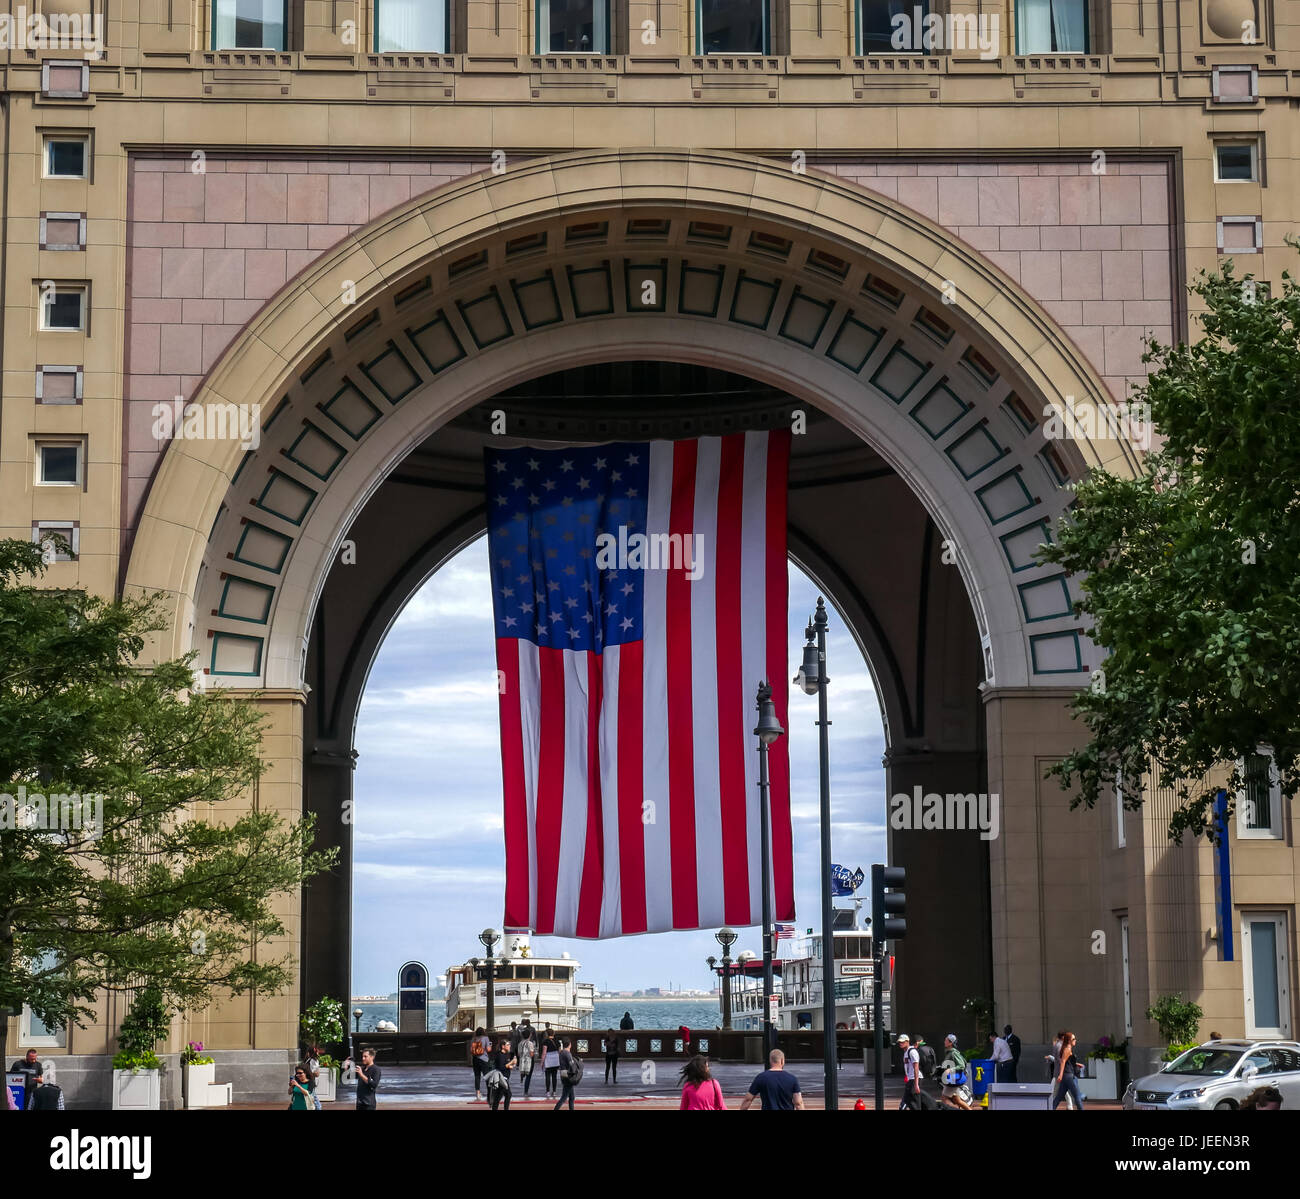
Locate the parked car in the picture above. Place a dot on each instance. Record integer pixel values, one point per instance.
(1218, 1076)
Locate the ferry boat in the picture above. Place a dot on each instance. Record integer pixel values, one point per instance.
(524, 987)
(797, 981)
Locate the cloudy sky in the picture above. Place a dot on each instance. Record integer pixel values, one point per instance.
(429, 868)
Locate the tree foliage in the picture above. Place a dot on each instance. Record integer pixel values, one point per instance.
(1193, 568)
(176, 886)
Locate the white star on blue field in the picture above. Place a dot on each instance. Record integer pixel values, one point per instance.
(428, 870)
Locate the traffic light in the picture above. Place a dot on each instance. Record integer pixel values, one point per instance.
(888, 903)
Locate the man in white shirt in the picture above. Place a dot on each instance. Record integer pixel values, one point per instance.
(1001, 1057)
(911, 1075)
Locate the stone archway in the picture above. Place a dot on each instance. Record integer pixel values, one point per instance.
(832, 295)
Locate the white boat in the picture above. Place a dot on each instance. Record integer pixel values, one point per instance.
(540, 989)
(797, 981)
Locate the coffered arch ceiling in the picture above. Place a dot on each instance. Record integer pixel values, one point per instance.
(836, 297)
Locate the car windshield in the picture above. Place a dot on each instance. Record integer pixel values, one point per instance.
(1204, 1061)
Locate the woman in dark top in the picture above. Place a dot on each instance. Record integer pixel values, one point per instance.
(611, 1055)
(551, 1062)
(504, 1061)
(1067, 1073)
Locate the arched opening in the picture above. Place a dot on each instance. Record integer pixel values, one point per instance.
(427, 817)
(857, 533)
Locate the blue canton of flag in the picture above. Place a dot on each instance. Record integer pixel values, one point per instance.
(546, 508)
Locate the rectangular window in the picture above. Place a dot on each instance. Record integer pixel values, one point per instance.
(59, 463)
(732, 27)
(66, 157)
(572, 26)
(1259, 803)
(891, 26)
(1236, 162)
(1051, 27)
(248, 24)
(63, 309)
(411, 25)
(1265, 974)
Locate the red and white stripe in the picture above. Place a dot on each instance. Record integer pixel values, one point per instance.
(631, 776)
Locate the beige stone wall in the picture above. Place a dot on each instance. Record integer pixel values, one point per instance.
(159, 89)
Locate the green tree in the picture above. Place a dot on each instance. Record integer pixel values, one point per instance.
(164, 889)
(1193, 568)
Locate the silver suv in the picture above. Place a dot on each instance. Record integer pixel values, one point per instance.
(1218, 1076)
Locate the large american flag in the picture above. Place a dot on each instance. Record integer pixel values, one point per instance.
(629, 764)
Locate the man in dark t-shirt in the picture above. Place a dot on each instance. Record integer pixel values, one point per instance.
(30, 1068)
(776, 1087)
(368, 1076)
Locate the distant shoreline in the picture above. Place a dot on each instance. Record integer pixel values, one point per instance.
(599, 999)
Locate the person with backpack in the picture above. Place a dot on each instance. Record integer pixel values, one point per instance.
(956, 1076)
(700, 1090)
(570, 1071)
(479, 1050)
(1067, 1073)
(911, 1100)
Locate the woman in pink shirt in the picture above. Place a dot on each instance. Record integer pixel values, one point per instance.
(700, 1090)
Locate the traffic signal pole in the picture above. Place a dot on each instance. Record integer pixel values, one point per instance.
(888, 923)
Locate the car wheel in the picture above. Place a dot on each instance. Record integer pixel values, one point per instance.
(1226, 1106)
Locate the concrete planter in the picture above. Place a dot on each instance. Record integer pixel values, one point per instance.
(1102, 1081)
(196, 1080)
(137, 1090)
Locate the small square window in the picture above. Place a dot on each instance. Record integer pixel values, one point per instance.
(63, 308)
(63, 231)
(1236, 162)
(1240, 234)
(66, 157)
(59, 463)
(58, 384)
(69, 531)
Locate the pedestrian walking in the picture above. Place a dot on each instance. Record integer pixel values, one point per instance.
(1013, 1043)
(956, 1076)
(368, 1076)
(300, 1091)
(1067, 1073)
(311, 1063)
(570, 1071)
(700, 1090)
(611, 1055)
(497, 1075)
(911, 1100)
(1053, 1059)
(551, 1061)
(776, 1087)
(480, 1049)
(1001, 1058)
(526, 1053)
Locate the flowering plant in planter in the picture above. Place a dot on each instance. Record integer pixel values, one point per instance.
(1107, 1050)
(193, 1055)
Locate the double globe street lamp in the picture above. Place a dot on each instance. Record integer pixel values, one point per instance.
(812, 680)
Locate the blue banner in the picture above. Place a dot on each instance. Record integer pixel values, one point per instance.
(845, 881)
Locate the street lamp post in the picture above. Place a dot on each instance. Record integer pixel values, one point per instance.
(357, 1013)
(726, 937)
(767, 730)
(489, 937)
(812, 680)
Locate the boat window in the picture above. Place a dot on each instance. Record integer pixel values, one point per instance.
(504, 972)
(523, 972)
(561, 972)
(542, 972)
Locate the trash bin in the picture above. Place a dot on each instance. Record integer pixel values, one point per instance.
(982, 1075)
